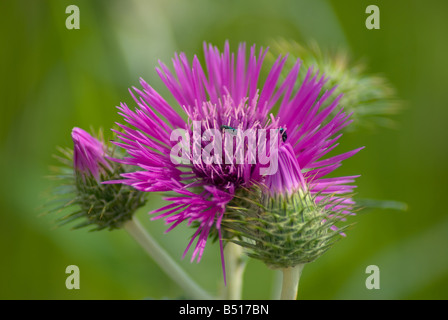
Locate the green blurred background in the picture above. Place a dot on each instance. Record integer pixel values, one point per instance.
(54, 79)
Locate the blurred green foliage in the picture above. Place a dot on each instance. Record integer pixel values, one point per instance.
(54, 79)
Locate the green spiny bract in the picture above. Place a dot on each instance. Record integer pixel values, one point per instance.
(371, 98)
(282, 231)
(102, 206)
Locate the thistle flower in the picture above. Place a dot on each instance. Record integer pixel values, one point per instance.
(96, 204)
(229, 95)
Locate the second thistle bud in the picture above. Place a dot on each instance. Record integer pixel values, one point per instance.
(97, 203)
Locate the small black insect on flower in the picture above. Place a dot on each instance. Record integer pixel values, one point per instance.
(228, 128)
(283, 133)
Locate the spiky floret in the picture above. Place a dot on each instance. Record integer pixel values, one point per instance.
(94, 204)
(282, 230)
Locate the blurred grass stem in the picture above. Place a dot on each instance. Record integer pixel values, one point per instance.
(165, 262)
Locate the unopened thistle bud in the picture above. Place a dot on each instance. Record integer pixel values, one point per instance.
(370, 98)
(97, 203)
(286, 226)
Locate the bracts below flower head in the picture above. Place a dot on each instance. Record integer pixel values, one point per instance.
(282, 222)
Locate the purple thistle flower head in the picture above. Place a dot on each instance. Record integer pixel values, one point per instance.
(227, 95)
(88, 154)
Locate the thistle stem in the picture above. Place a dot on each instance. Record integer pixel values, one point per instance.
(166, 263)
(277, 284)
(290, 284)
(235, 265)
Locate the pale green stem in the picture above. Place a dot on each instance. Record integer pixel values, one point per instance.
(290, 284)
(235, 266)
(165, 262)
(277, 284)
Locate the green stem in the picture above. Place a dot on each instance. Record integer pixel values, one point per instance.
(166, 263)
(277, 284)
(235, 266)
(290, 284)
